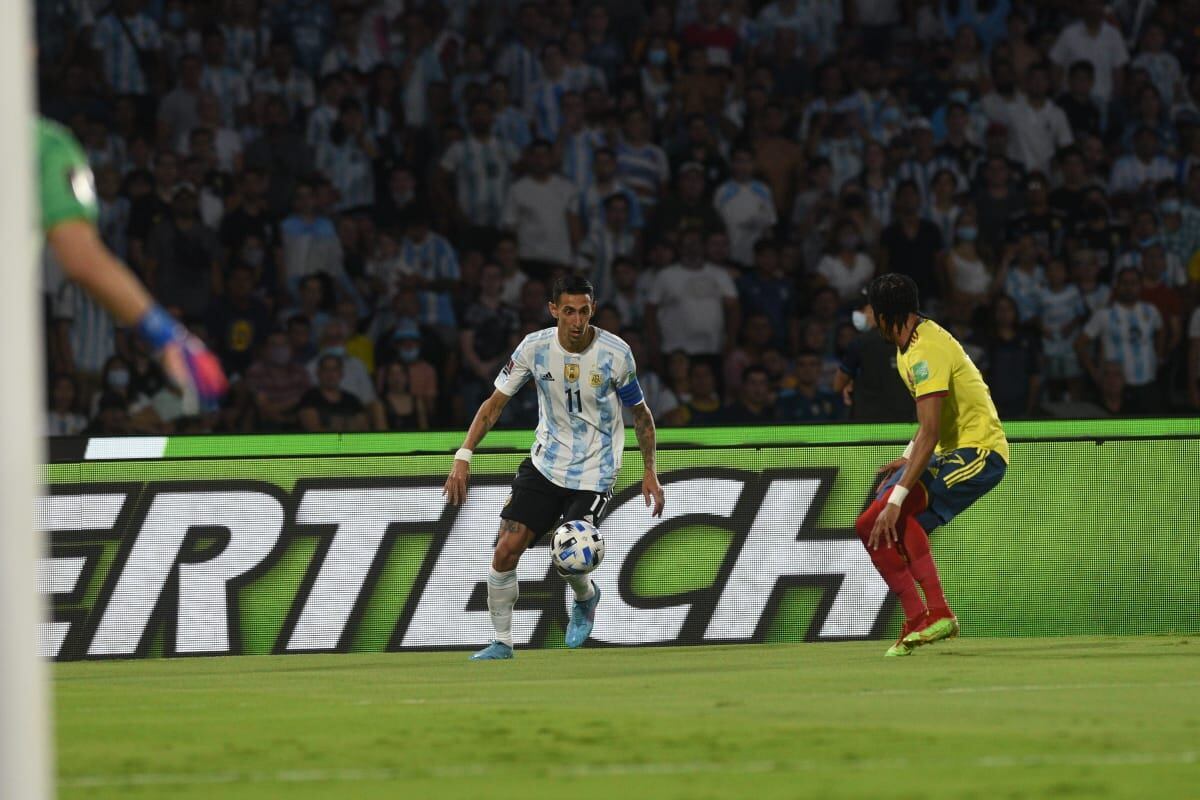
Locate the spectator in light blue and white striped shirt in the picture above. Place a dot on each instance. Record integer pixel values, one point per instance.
(224, 82)
(479, 164)
(640, 163)
(604, 184)
(84, 333)
(511, 124)
(1131, 332)
(430, 265)
(543, 102)
(1024, 277)
(518, 61)
(606, 243)
(322, 118)
(283, 79)
(347, 159)
(118, 49)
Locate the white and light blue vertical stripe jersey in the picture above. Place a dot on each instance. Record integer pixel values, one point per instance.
(1025, 288)
(433, 259)
(1126, 335)
(511, 126)
(580, 435)
(319, 126)
(244, 46)
(923, 174)
(644, 168)
(578, 150)
(92, 337)
(544, 105)
(597, 252)
(229, 87)
(879, 200)
(297, 90)
(748, 211)
(1058, 309)
(350, 170)
(583, 76)
(119, 57)
(521, 66)
(481, 176)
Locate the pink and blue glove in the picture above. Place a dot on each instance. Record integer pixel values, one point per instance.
(185, 359)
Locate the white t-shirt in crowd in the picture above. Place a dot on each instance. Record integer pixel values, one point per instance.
(536, 211)
(848, 281)
(1106, 51)
(1036, 134)
(691, 310)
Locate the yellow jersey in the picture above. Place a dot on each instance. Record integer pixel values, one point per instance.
(936, 364)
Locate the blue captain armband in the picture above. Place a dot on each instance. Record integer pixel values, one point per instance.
(630, 393)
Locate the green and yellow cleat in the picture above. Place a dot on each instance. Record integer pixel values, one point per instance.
(902, 648)
(941, 628)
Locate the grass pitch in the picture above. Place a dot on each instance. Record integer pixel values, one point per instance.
(975, 718)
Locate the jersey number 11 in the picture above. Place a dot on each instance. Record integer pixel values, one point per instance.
(574, 402)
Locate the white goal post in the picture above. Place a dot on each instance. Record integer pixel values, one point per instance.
(25, 763)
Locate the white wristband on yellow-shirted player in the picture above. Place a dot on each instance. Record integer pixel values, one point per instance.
(896, 498)
(908, 450)
(464, 454)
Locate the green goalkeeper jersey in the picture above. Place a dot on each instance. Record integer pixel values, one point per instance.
(66, 188)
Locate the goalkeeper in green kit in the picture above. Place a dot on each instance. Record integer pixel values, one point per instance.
(67, 199)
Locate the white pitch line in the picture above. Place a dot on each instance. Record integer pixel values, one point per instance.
(617, 770)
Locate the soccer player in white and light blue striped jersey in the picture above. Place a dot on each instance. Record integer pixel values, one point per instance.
(583, 377)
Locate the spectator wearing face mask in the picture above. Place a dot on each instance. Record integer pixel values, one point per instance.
(355, 377)
(967, 276)
(275, 384)
(422, 377)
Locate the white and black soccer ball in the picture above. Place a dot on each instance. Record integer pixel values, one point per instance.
(577, 548)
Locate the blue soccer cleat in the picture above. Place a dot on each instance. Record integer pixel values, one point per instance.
(583, 617)
(496, 651)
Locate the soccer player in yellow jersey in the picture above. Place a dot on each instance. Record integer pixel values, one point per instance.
(958, 455)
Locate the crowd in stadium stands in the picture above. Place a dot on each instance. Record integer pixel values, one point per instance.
(360, 205)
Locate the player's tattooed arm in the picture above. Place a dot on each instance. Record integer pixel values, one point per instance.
(486, 418)
(643, 425)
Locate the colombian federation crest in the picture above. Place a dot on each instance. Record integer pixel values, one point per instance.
(571, 372)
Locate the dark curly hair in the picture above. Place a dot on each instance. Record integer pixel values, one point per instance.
(893, 297)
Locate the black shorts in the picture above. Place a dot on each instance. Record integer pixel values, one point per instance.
(541, 505)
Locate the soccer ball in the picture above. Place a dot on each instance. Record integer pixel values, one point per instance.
(577, 548)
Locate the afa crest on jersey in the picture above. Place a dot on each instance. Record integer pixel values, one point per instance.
(596, 379)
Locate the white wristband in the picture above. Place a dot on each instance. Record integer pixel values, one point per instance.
(908, 451)
(896, 498)
(463, 454)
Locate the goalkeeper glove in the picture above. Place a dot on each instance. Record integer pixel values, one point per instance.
(185, 359)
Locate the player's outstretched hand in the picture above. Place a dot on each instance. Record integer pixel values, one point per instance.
(652, 489)
(455, 489)
(185, 359)
(196, 371)
(890, 467)
(884, 530)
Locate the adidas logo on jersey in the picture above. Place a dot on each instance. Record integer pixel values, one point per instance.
(547, 377)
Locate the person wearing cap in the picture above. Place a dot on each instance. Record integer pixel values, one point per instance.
(1045, 223)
